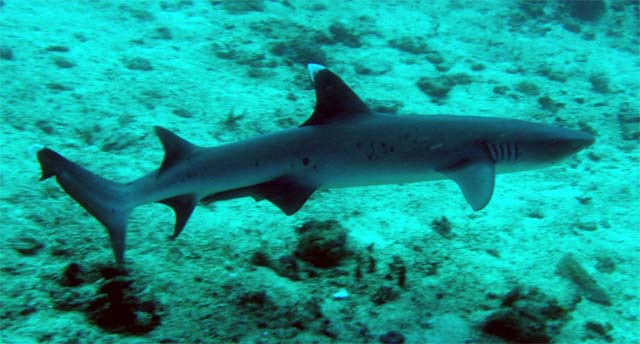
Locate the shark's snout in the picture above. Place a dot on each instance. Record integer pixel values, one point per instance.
(552, 144)
(582, 140)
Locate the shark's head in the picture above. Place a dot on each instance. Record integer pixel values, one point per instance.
(541, 145)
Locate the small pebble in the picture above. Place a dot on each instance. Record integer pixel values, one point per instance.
(392, 337)
(6, 53)
(138, 63)
(27, 246)
(63, 63)
(341, 294)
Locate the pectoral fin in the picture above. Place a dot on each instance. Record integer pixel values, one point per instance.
(476, 179)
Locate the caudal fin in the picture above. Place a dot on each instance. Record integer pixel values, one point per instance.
(107, 201)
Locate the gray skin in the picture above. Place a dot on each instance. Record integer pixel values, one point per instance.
(381, 149)
(342, 144)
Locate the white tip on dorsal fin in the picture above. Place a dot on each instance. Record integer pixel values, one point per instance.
(314, 69)
(335, 101)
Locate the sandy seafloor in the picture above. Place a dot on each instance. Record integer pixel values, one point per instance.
(90, 79)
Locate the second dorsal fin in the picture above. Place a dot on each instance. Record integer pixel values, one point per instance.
(335, 101)
(176, 148)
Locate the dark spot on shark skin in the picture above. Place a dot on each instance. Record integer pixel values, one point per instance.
(256, 164)
(372, 151)
(305, 161)
(386, 149)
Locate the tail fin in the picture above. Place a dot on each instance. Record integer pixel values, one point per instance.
(107, 201)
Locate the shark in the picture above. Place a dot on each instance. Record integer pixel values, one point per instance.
(342, 144)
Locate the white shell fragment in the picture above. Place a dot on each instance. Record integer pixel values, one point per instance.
(341, 294)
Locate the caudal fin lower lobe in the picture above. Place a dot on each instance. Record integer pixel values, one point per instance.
(106, 200)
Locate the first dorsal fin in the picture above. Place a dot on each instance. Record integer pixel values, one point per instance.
(176, 148)
(335, 101)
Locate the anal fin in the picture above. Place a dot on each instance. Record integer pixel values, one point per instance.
(183, 206)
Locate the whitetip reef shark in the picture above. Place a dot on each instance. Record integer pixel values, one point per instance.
(343, 143)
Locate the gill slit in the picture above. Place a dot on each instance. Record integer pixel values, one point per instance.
(503, 151)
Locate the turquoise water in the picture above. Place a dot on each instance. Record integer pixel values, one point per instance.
(552, 258)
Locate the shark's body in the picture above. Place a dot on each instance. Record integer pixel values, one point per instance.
(342, 144)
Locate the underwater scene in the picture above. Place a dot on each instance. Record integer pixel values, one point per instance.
(314, 171)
